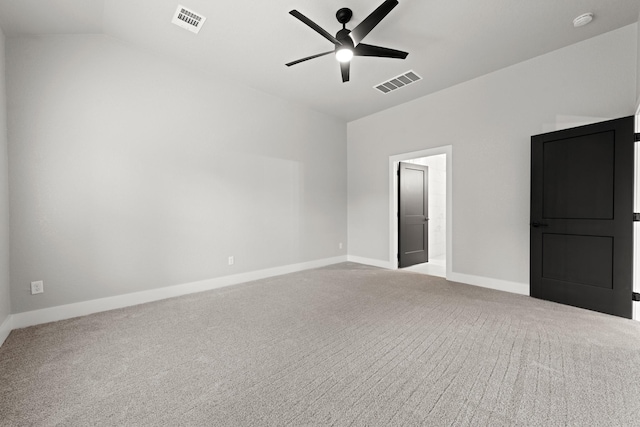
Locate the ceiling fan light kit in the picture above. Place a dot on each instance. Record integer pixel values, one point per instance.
(344, 54)
(347, 43)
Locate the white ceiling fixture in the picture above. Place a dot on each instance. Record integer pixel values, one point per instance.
(188, 19)
(583, 19)
(397, 82)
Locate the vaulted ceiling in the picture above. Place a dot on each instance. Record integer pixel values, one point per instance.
(449, 41)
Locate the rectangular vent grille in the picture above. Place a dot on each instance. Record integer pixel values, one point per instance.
(188, 19)
(397, 82)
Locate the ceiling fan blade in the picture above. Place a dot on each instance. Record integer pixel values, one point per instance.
(372, 20)
(308, 58)
(315, 27)
(383, 52)
(344, 68)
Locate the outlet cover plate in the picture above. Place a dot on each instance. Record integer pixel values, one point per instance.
(37, 287)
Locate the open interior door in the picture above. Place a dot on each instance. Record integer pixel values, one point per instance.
(582, 216)
(413, 215)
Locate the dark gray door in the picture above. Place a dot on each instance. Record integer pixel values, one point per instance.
(582, 216)
(413, 215)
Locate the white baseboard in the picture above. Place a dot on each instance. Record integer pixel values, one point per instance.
(488, 282)
(53, 314)
(370, 261)
(467, 279)
(5, 328)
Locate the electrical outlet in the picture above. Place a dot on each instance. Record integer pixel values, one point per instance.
(37, 287)
(231, 260)
(340, 245)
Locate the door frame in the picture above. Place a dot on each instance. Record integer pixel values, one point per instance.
(394, 161)
(635, 306)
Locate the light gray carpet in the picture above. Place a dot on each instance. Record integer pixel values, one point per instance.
(342, 345)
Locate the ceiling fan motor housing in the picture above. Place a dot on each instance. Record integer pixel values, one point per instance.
(343, 37)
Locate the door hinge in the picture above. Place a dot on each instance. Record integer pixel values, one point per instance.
(635, 296)
(637, 137)
(636, 216)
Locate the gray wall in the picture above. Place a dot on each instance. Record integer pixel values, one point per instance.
(5, 300)
(129, 173)
(488, 121)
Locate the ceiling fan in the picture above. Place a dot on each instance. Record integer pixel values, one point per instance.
(347, 42)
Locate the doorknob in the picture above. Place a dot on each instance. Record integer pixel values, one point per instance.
(537, 224)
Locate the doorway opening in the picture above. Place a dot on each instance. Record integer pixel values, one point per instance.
(439, 161)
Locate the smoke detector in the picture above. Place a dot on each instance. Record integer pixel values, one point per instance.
(188, 19)
(583, 19)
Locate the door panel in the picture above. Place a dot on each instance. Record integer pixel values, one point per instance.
(578, 259)
(413, 215)
(413, 237)
(582, 216)
(578, 177)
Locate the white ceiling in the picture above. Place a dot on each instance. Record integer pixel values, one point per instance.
(449, 41)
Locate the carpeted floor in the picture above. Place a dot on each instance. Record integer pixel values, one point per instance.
(342, 345)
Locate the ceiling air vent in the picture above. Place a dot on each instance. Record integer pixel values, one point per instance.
(397, 82)
(188, 19)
